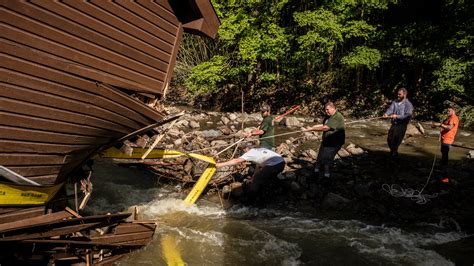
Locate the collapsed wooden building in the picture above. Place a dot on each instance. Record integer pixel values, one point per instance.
(78, 77)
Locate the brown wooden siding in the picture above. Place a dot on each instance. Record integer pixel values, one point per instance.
(67, 69)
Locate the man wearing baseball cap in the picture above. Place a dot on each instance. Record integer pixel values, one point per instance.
(266, 130)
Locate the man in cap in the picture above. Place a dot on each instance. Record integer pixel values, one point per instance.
(266, 130)
(269, 165)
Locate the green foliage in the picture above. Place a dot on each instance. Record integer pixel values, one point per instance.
(362, 56)
(450, 76)
(207, 76)
(351, 50)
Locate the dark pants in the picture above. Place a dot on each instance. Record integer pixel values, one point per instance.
(262, 176)
(396, 133)
(445, 153)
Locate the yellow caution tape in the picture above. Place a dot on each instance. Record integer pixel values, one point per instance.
(26, 195)
(171, 251)
(161, 154)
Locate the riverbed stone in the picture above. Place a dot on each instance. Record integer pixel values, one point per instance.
(225, 120)
(354, 150)
(233, 117)
(212, 133)
(225, 130)
(218, 143)
(343, 153)
(470, 154)
(335, 201)
(412, 130)
(194, 124)
(292, 122)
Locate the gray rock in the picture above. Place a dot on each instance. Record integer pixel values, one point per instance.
(311, 153)
(343, 153)
(211, 133)
(354, 150)
(333, 200)
(194, 124)
(470, 155)
(292, 122)
(173, 132)
(290, 175)
(218, 143)
(225, 130)
(412, 131)
(233, 117)
(420, 128)
(295, 186)
(225, 120)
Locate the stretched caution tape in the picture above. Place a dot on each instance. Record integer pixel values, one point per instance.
(26, 195)
(200, 185)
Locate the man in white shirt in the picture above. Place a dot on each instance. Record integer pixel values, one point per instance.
(269, 165)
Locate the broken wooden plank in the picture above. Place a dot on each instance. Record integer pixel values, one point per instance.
(113, 239)
(47, 218)
(21, 214)
(128, 228)
(14, 177)
(66, 230)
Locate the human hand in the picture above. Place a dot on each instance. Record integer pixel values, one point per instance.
(394, 116)
(385, 116)
(435, 124)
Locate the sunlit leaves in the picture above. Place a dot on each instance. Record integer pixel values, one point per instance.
(362, 56)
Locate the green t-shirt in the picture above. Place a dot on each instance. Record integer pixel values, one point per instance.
(336, 135)
(269, 129)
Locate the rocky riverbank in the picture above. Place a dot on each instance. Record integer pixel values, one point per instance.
(366, 184)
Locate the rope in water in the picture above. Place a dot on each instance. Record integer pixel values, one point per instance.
(417, 195)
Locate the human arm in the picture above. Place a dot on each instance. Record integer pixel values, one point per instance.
(319, 127)
(390, 111)
(444, 126)
(230, 162)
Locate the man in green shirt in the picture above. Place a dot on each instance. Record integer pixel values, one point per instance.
(333, 138)
(266, 130)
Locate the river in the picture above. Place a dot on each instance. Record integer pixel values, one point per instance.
(207, 234)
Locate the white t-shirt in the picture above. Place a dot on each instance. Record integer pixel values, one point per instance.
(262, 157)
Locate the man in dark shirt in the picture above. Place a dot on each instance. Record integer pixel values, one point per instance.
(266, 130)
(400, 113)
(334, 136)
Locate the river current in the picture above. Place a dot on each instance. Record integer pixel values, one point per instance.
(207, 234)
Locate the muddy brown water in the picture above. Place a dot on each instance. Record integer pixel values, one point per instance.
(206, 234)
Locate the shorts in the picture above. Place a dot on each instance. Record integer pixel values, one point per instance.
(326, 154)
